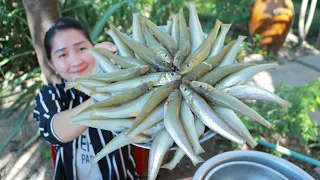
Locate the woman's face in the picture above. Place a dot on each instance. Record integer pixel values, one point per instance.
(68, 57)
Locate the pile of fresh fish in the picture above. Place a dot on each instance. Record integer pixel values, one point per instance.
(166, 85)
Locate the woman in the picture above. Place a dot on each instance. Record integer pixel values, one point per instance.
(65, 43)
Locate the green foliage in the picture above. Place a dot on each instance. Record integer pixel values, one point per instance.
(101, 23)
(255, 48)
(46, 153)
(227, 11)
(295, 121)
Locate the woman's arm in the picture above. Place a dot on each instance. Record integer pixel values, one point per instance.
(62, 126)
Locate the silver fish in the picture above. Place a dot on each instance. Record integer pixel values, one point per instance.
(174, 127)
(154, 117)
(204, 112)
(231, 55)
(157, 48)
(242, 76)
(97, 96)
(117, 125)
(234, 121)
(128, 110)
(156, 79)
(155, 129)
(158, 95)
(196, 31)
(223, 99)
(187, 120)
(161, 143)
(200, 127)
(168, 27)
(117, 142)
(218, 44)
(123, 49)
(104, 63)
(175, 29)
(137, 33)
(256, 93)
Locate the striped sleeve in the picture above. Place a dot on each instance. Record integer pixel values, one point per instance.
(47, 104)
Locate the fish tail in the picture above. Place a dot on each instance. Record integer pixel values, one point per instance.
(189, 4)
(198, 149)
(252, 143)
(169, 165)
(70, 85)
(285, 104)
(196, 160)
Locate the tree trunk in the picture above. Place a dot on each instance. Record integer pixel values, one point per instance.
(318, 41)
(304, 28)
(310, 17)
(302, 16)
(41, 15)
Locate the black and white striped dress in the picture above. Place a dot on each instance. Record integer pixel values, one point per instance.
(52, 99)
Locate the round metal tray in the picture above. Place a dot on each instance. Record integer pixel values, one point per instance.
(282, 166)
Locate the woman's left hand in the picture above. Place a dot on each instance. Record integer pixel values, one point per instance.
(108, 46)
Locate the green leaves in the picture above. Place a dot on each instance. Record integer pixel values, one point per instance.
(102, 22)
(295, 121)
(7, 60)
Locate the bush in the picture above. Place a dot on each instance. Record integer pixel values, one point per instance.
(292, 122)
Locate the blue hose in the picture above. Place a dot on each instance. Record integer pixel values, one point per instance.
(289, 152)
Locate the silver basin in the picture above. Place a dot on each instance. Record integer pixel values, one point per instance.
(243, 170)
(282, 166)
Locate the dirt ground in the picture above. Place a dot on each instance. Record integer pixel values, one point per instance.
(35, 161)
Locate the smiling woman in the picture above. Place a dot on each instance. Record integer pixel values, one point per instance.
(68, 57)
(65, 45)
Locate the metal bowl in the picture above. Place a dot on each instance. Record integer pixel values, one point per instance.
(244, 170)
(280, 165)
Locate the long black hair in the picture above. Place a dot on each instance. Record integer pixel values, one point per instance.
(62, 24)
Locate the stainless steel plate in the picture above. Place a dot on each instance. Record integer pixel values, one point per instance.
(282, 166)
(244, 170)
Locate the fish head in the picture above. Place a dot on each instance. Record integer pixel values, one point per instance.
(186, 92)
(164, 56)
(147, 86)
(170, 76)
(175, 94)
(142, 69)
(187, 66)
(197, 85)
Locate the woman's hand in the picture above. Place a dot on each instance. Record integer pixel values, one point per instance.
(108, 46)
(104, 45)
